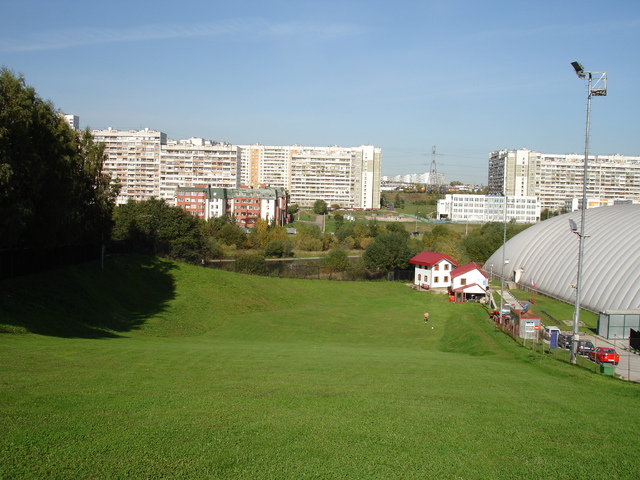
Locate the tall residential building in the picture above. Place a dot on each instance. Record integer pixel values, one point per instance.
(72, 120)
(554, 179)
(147, 164)
(348, 176)
(197, 161)
(133, 158)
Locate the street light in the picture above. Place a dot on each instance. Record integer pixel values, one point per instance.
(504, 262)
(597, 87)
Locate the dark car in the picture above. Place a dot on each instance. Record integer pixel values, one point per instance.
(585, 347)
(564, 340)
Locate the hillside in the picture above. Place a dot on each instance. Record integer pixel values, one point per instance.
(154, 369)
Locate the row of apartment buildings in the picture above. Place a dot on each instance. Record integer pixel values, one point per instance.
(557, 180)
(148, 164)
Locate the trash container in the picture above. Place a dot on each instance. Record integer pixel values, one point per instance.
(607, 368)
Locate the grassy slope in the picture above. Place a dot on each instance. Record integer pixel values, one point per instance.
(184, 372)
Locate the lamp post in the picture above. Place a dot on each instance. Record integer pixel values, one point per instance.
(504, 262)
(597, 87)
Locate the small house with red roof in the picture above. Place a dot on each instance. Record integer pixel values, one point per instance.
(469, 282)
(433, 270)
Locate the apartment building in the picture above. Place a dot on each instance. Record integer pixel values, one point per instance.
(554, 179)
(148, 164)
(488, 208)
(348, 176)
(197, 161)
(72, 120)
(246, 205)
(133, 158)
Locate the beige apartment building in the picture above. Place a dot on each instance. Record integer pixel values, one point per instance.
(347, 176)
(133, 158)
(554, 179)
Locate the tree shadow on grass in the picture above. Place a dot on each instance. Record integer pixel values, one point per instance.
(83, 301)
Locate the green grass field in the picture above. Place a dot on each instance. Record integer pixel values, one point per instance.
(154, 369)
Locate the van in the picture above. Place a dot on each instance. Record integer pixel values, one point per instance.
(547, 331)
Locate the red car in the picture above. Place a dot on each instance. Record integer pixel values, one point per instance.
(604, 355)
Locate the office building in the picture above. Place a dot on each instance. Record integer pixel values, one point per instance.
(488, 208)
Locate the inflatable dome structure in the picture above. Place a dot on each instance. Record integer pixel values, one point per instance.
(546, 255)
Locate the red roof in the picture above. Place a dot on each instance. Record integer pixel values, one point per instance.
(466, 287)
(429, 259)
(467, 268)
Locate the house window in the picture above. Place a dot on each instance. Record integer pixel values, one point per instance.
(463, 281)
(437, 267)
(419, 277)
(435, 279)
(446, 266)
(446, 279)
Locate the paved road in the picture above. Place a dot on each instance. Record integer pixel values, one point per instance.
(629, 366)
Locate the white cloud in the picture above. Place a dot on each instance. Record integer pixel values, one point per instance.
(249, 29)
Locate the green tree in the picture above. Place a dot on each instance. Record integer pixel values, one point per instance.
(52, 190)
(387, 252)
(232, 234)
(309, 237)
(320, 207)
(151, 226)
(278, 249)
(337, 259)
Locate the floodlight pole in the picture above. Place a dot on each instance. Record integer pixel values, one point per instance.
(600, 90)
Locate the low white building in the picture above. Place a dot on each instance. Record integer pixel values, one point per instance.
(433, 270)
(488, 208)
(469, 282)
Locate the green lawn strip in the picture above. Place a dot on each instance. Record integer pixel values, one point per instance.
(311, 379)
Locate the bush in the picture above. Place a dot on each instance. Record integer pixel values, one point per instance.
(278, 249)
(250, 263)
(337, 259)
(309, 244)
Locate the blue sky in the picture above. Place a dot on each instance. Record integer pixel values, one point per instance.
(467, 77)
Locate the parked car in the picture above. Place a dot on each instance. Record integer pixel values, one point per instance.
(585, 347)
(604, 355)
(564, 340)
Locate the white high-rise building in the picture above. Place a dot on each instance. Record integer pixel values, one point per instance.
(555, 178)
(72, 120)
(197, 161)
(347, 176)
(133, 158)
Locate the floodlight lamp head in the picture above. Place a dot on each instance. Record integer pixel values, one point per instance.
(577, 66)
(573, 226)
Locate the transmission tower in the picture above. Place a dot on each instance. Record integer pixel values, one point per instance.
(434, 183)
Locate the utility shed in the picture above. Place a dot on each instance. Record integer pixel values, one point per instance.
(615, 324)
(525, 324)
